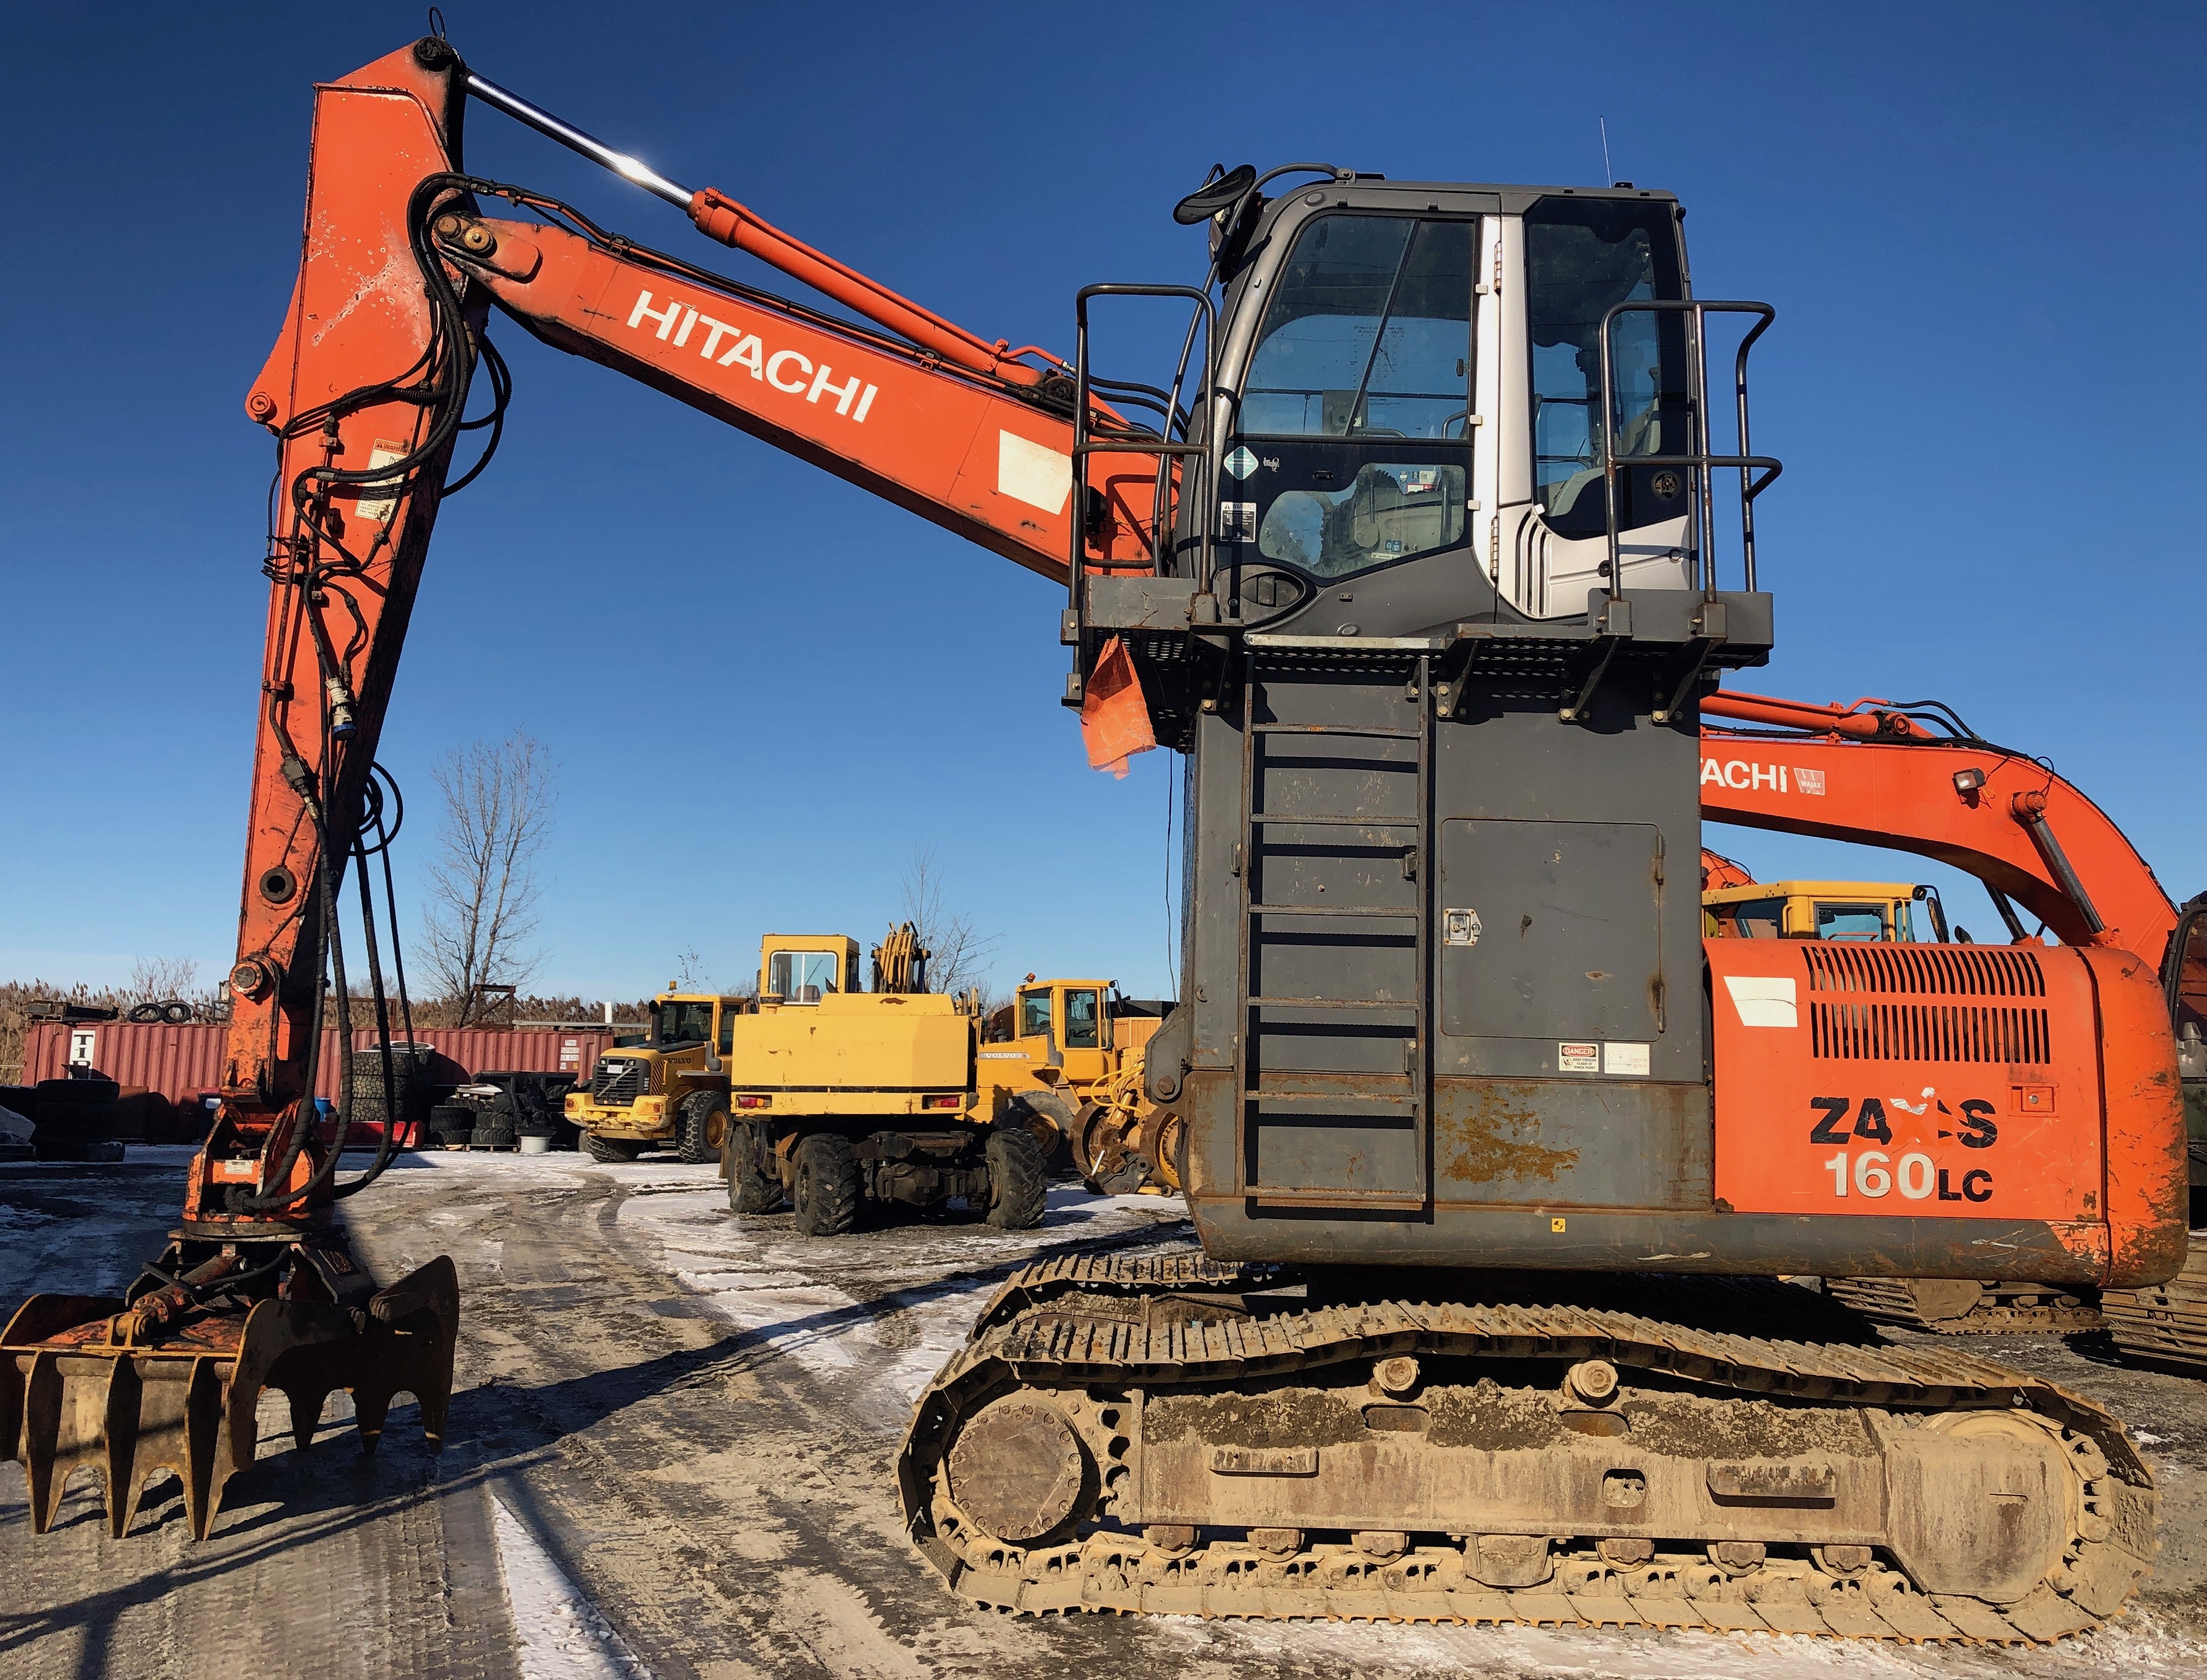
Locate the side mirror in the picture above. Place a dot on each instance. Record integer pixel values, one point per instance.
(1213, 196)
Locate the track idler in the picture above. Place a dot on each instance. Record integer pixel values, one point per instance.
(171, 1380)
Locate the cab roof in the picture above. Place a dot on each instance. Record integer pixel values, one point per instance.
(1810, 889)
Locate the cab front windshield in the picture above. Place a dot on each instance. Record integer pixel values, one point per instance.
(678, 1022)
(1858, 924)
(801, 977)
(1749, 918)
(1356, 408)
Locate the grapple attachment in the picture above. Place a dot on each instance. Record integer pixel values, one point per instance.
(129, 1390)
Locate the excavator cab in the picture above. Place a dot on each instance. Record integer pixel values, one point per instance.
(1445, 619)
(798, 970)
(1360, 442)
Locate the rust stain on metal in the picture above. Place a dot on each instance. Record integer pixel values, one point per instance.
(1493, 1138)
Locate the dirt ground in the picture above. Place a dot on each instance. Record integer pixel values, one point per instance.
(670, 1456)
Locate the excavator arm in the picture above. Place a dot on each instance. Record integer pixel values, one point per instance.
(365, 390)
(367, 393)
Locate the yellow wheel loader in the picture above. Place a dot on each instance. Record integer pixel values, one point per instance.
(1064, 1058)
(670, 1091)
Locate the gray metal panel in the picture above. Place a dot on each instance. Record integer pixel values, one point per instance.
(1316, 1146)
(1508, 758)
(1566, 1143)
(1571, 946)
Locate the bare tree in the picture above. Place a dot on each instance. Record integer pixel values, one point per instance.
(690, 974)
(159, 979)
(483, 889)
(957, 955)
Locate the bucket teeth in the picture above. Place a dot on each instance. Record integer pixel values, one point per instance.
(72, 1399)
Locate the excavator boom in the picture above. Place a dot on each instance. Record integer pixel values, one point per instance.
(366, 393)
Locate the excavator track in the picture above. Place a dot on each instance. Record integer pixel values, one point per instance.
(1960, 1306)
(1174, 1435)
(2168, 1322)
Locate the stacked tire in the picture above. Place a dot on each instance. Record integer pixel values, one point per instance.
(371, 1104)
(535, 1104)
(452, 1124)
(496, 1126)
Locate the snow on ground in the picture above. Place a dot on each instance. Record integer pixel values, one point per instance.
(558, 1629)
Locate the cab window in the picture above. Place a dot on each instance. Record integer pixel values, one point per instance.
(1389, 511)
(727, 1028)
(801, 977)
(1368, 334)
(1082, 1029)
(677, 1022)
(1034, 1014)
(1861, 924)
(1582, 257)
(1357, 403)
(1756, 919)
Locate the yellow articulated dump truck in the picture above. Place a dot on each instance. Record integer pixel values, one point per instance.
(839, 1097)
(672, 1089)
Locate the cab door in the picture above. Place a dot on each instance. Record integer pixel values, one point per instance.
(1080, 1033)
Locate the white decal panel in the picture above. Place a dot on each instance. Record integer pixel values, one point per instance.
(1033, 473)
(378, 499)
(1764, 1000)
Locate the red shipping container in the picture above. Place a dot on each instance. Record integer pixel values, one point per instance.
(181, 1062)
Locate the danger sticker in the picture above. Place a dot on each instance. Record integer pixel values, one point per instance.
(378, 500)
(1578, 1058)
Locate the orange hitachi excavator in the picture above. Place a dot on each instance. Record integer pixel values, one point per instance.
(1493, 1159)
(1916, 777)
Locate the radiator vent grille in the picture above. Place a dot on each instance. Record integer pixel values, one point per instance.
(1927, 1032)
(618, 1084)
(1938, 971)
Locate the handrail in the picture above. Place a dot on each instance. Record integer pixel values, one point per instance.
(1701, 460)
(1161, 446)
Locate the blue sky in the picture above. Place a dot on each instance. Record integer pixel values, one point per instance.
(1980, 225)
